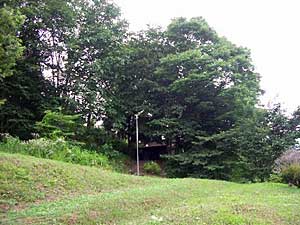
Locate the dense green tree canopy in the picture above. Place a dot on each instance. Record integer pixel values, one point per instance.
(10, 44)
(201, 89)
(93, 52)
(208, 84)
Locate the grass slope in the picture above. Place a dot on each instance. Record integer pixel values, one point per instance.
(38, 191)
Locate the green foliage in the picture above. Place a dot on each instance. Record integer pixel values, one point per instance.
(244, 153)
(275, 178)
(92, 137)
(134, 83)
(71, 81)
(57, 124)
(118, 160)
(58, 149)
(208, 85)
(202, 89)
(152, 168)
(263, 139)
(27, 92)
(11, 48)
(291, 175)
(93, 57)
(188, 34)
(109, 151)
(174, 169)
(24, 104)
(289, 157)
(98, 138)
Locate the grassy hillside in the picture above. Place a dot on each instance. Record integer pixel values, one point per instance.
(38, 191)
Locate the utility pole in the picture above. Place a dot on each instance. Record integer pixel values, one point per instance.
(137, 145)
(137, 142)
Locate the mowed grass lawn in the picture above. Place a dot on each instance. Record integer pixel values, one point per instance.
(38, 191)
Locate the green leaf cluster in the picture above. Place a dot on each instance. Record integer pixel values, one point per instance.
(57, 124)
(11, 47)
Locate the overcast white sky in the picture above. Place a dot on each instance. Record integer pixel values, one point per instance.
(270, 28)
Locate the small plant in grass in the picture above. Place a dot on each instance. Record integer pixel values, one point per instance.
(152, 168)
(291, 174)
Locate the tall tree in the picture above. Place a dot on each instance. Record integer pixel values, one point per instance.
(11, 47)
(133, 84)
(207, 85)
(29, 92)
(93, 54)
(10, 44)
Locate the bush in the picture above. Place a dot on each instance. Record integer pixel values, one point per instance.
(58, 149)
(275, 178)
(288, 158)
(118, 160)
(291, 175)
(152, 168)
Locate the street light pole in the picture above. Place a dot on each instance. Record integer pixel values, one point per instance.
(137, 145)
(137, 142)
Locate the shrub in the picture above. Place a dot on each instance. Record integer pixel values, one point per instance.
(10, 144)
(291, 175)
(152, 168)
(275, 178)
(58, 149)
(288, 158)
